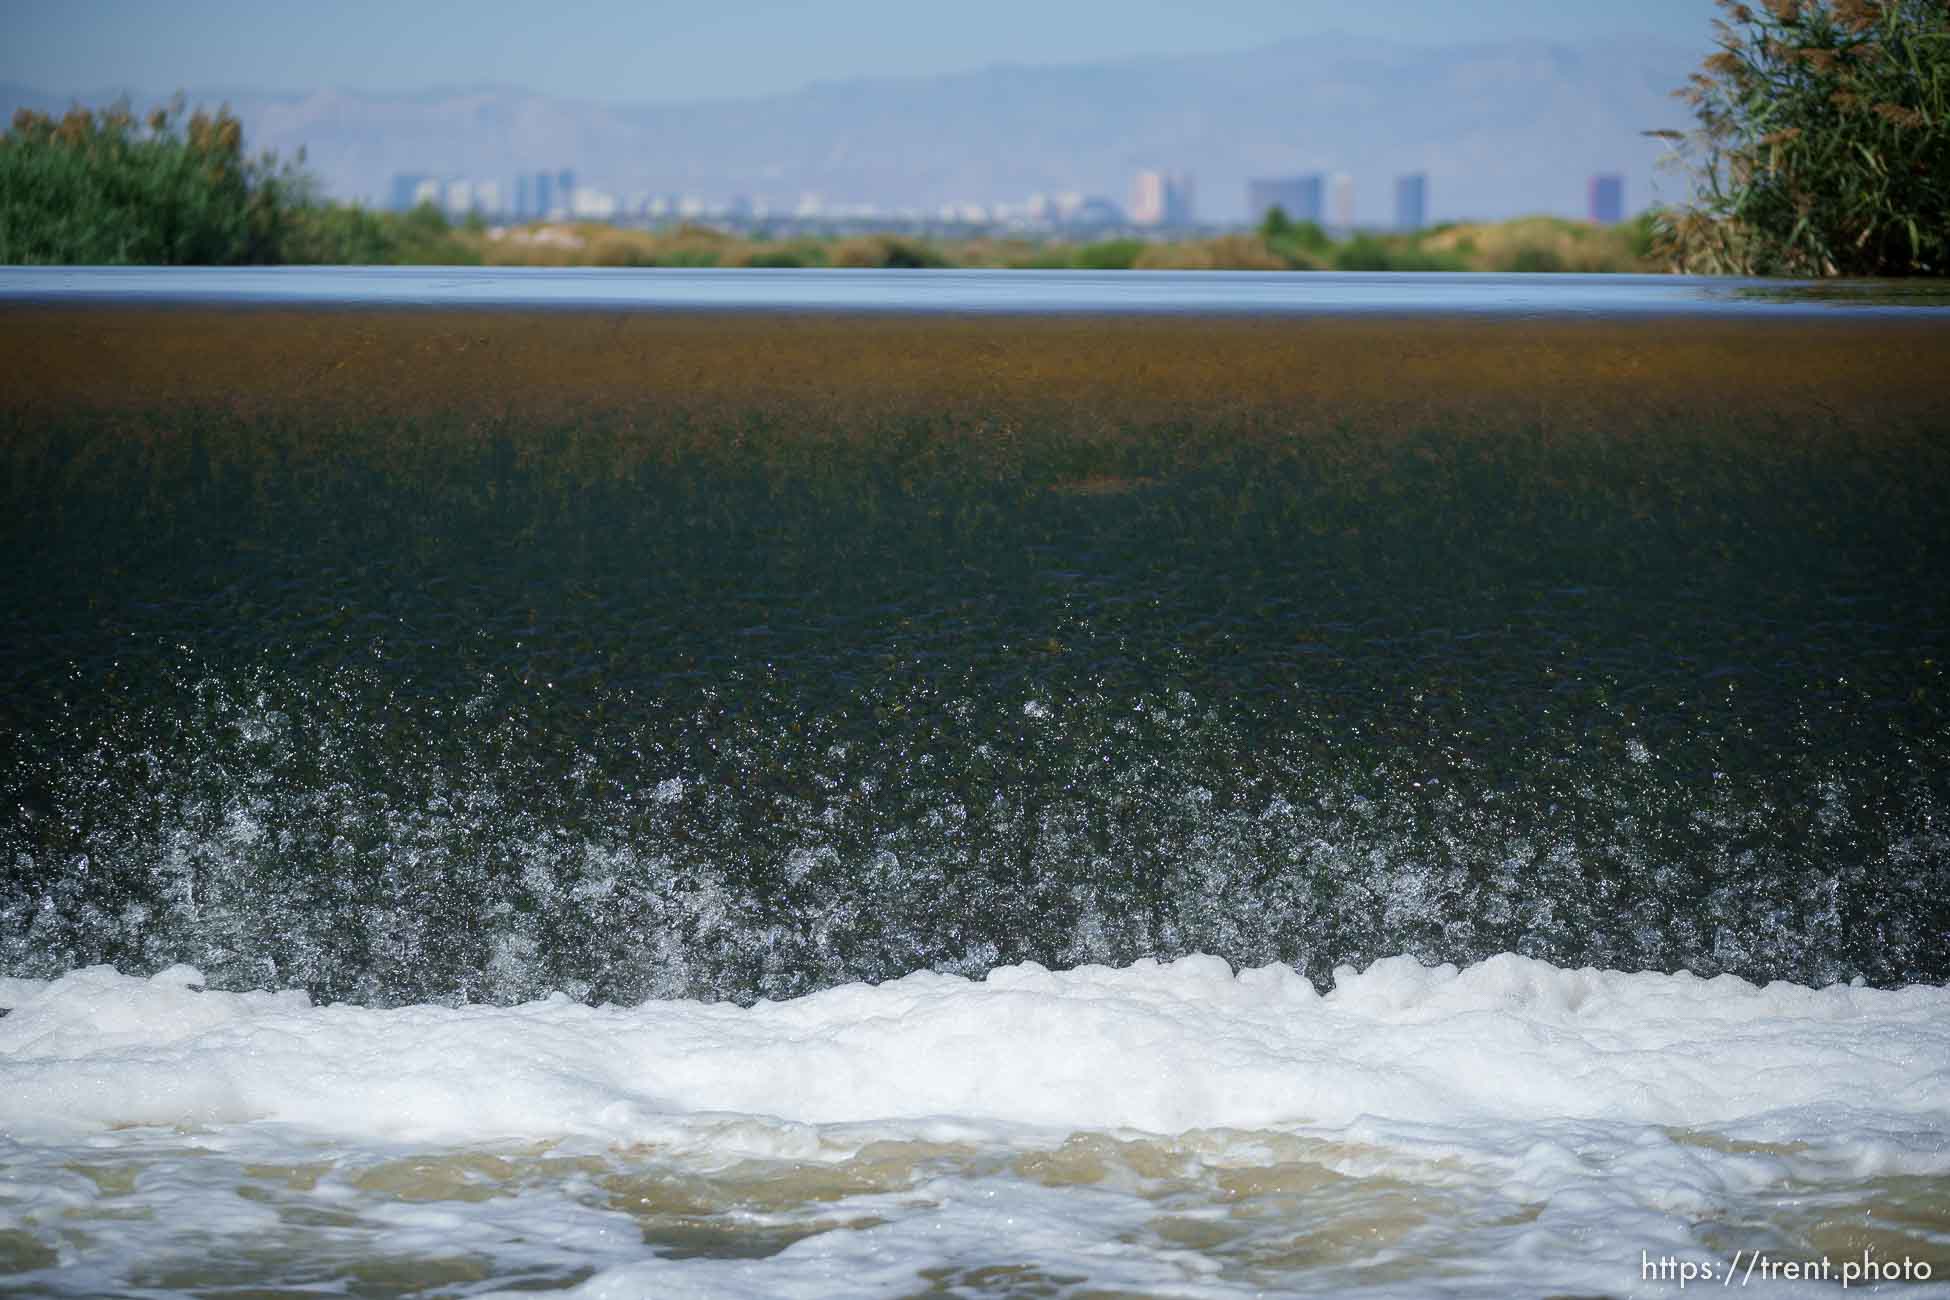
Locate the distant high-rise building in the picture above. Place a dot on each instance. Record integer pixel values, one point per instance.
(1343, 192)
(1300, 197)
(524, 196)
(565, 189)
(544, 194)
(1412, 201)
(1162, 199)
(406, 188)
(1606, 198)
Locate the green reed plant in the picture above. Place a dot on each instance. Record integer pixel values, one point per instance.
(1301, 243)
(336, 234)
(1366, 252)
(1823, 144)
(105, 188)
(1109, 255)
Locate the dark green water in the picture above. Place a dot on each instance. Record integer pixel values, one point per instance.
(422, 716)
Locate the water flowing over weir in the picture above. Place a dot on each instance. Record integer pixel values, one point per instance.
(753, 784)
(407, 637)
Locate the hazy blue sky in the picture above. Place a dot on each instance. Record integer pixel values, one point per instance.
(619, 50)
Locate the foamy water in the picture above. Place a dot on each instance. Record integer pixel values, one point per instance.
(1169, 1129)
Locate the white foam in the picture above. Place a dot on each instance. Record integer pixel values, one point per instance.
(1506, 1128)
(1160, 1048)
(13, 991)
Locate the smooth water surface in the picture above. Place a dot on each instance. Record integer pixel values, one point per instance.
(1229, 293)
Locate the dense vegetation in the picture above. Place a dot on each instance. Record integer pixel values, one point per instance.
(109, 190)
(1823, 145)
(1526, 244)
(105, 189)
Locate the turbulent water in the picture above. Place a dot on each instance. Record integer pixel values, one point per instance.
(1156, 1130)
(415, 717)
(633, 856)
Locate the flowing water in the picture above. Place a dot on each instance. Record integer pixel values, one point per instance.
(779, 811)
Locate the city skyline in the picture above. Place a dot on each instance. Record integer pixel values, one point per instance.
(1160, 201)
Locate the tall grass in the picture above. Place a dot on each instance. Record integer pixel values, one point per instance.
(1526, 244)
(106, 189)
(1823, 142)
(172, 189)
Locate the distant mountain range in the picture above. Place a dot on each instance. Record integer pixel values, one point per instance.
(1501, 129)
